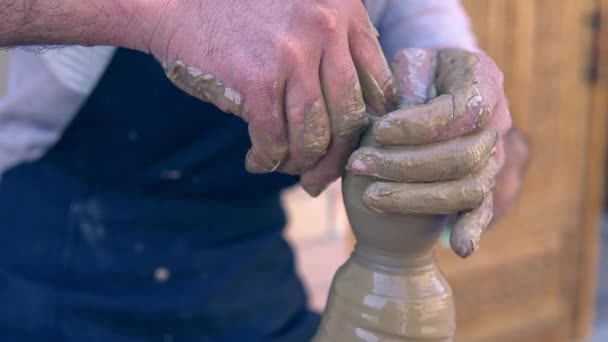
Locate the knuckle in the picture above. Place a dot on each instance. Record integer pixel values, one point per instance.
(289, 49)
(263, 98)
(316, 146)
(324, 17)
(266, 80)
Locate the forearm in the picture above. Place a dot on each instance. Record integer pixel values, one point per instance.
(66, 22)
(425, 24)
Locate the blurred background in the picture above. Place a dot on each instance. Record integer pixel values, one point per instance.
(540, 274)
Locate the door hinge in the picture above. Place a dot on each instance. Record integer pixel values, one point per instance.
(598, 63)
(595, 20)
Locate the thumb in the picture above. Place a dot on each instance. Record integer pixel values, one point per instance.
(414, 71)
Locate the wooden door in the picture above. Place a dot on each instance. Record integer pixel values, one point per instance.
(533, 278)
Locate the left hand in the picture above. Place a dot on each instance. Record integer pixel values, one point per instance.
(440, 156)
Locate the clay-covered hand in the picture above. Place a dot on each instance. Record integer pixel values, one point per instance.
(439, 156)
(293, 70)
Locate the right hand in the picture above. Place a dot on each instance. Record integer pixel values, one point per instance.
(510, 178)
(440, 156)
(291, 69)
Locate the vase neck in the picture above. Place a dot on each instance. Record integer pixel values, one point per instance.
(375, 258)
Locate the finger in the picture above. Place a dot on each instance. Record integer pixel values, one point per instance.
(470, 86)
(432, 198)
(267, 128)
(307, 121)
(452, 159)
(414, 72)
(264, 114)
(469, 227)
(348, 118)
(371, 65)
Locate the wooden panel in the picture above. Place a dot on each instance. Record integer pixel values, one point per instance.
(532, 278)
(536, 88)
(595, 173)
(602, 42)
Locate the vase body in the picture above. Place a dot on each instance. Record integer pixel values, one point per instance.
(390, 289)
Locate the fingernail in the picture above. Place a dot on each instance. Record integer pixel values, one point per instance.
(464, 243)
(464, 247)
(275, 166)
(373, 195)
(314, 190)
(357, 166)
(252, 166)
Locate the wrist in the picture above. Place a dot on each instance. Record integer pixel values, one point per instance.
(142, 24)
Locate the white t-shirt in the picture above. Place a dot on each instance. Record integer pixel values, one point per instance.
(46, 89)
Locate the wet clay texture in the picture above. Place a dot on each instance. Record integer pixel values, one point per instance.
(205, 87)
(390, 289)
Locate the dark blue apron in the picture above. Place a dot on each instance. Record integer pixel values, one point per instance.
(142, 224)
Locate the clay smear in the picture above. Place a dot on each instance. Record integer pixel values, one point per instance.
(206, 87)
(454, 159)
(431, 198)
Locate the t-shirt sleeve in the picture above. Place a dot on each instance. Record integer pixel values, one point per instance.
(422, 24)
(44, 90)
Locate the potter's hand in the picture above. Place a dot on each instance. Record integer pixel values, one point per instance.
(442, 156)
(288, 68)
(510, 177)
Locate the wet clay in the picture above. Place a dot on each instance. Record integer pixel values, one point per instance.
(315, 137)
(433, 198)
(461, 108)
(205, 87)
(372, 93)
(390, 289)
(316, 134)
(462, 157)
(266, 153)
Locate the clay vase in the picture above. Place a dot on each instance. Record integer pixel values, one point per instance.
(390, 289)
